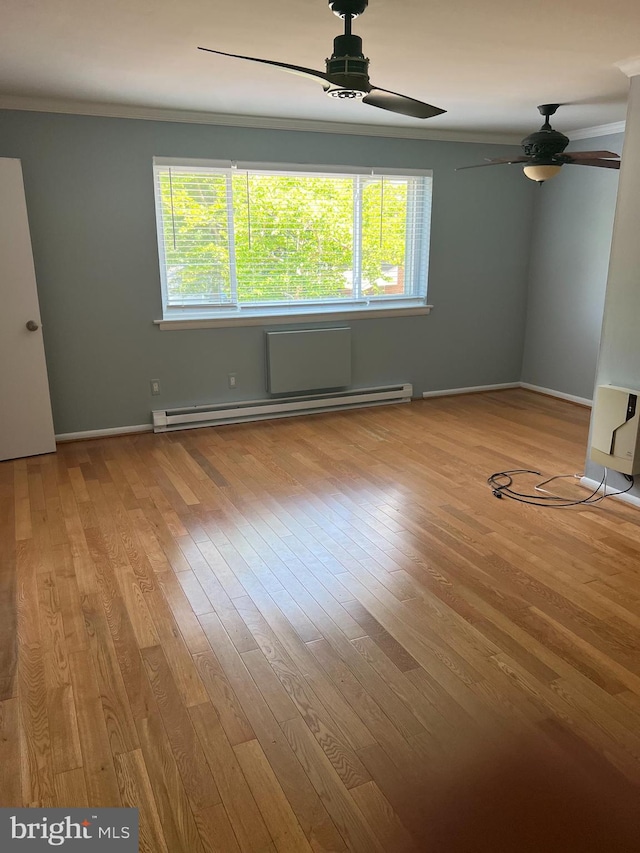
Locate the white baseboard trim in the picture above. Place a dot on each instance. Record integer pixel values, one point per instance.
(582, 401)
(473, 389)
(549, 392)
(102, 433)
(590, 484)
(448, 392)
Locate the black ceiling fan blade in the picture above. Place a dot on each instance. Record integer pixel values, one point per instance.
(395, 103)
(521, 159)
(604, 164)
(592, 155)
(505, 162)
(292, 69)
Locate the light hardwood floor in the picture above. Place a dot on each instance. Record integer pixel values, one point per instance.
(324, 634)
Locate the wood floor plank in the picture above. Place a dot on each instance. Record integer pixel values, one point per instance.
(37, 754)
(346, 816)
(148, 540)
(318, 716)
(401, 715)
(121, 728)
(196, 774)
(389, 645)
(178, 825)
(381, 817)
(248, 823)
(8, 588)
(10, 778)
(23, 527)
(434, 712)
(406, 796)
(277, 813)
(269, 686)
(182, 611)
(176, 650)
(233, 719)
(63, 729)
(216, 830)
(222, 570)
(83, 564)
(136, 792)
(71, 789)
(97, 759)
(75, 636)
(278, 631)
(304, 800)
(136, 683)
(379, 724)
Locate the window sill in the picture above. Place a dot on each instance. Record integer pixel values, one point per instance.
(264, 319)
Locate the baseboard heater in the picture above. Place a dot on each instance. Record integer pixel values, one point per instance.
(190, 417)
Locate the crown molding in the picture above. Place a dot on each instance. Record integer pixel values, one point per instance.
(597, 130)
(630, 67)
(104, 110)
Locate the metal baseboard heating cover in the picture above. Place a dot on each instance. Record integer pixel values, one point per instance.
(190, 417)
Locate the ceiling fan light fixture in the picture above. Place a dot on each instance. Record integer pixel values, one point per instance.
(541, 172)
(544, 153)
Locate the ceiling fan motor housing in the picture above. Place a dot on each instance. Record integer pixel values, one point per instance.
(545, 145)
(348, 68)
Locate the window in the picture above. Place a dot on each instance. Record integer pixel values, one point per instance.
(240, 240)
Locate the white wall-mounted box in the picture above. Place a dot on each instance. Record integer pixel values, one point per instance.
(615, 434)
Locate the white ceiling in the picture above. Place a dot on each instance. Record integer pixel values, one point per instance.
(488, 64)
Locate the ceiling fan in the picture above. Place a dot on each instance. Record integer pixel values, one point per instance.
(347, 74)
(544, 152)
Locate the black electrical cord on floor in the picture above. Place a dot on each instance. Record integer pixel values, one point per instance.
(503, 490)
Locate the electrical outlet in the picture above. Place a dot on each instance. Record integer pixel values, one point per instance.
(233, 381)
(155, 387)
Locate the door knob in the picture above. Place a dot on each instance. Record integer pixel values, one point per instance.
(32, 326)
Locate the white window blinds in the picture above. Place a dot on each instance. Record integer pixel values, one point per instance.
(234, 238)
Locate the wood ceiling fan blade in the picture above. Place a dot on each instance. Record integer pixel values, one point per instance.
(604, 164)
(592, 155)
(395, 103)
(292, 69)
(495, 163)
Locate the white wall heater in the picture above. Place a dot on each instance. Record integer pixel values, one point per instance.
(304, 361)
(166, 420)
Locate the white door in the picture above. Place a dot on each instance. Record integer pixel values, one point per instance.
(26, 424)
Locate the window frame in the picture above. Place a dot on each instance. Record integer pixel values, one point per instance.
(209, 315)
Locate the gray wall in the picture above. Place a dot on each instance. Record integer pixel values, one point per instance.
(90, 199)
(571, 239)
